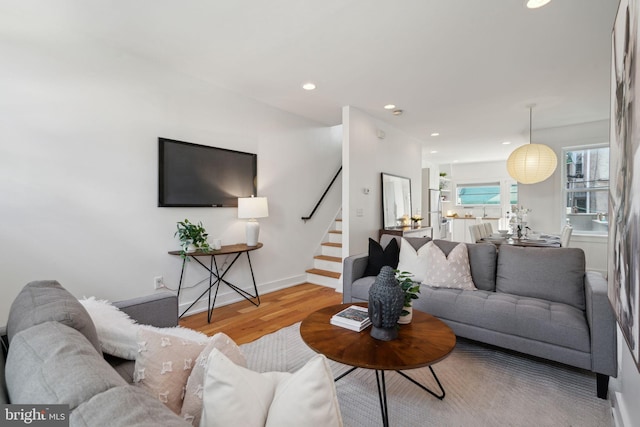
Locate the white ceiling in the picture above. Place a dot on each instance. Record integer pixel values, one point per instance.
(464, 68)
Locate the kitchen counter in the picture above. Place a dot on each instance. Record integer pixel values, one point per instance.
(472, 217)
(460, 229)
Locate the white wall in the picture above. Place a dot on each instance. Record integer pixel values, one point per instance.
(626, 388)
(78, 171)
(365, 156)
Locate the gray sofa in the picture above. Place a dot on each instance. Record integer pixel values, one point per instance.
(537, 301)
(54, 357)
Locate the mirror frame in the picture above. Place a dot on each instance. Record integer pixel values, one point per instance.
(394, 221)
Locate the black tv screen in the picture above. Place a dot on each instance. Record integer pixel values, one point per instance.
(192, 175)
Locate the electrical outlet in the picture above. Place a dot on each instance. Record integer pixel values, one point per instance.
(157, 282)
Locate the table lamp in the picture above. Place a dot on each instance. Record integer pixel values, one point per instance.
(251, 208)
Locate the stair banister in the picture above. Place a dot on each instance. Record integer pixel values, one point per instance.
(305, 218)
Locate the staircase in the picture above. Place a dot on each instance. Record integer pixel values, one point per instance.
(327, 267)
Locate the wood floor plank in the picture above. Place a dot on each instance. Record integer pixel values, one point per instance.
(244, 322)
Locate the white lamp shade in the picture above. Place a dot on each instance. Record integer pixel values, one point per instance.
(252, 207)
(532, 163)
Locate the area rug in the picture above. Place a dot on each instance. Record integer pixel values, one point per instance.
(485, 386)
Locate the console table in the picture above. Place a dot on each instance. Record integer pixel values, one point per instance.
(407, 232)
(215, 278)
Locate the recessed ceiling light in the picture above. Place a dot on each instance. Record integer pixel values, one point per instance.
(389, 106)
(308, 86)
(434, 151)
(455, 161)
(506, 143)
(534, 4)
(435, 134)
(397, 112)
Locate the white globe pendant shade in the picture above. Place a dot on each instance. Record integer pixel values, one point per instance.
(532, 163)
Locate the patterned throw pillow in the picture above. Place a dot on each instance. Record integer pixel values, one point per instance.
(163, 365)
(192, 405)
(451, 271)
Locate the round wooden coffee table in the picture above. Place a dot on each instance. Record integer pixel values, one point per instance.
(423, 342)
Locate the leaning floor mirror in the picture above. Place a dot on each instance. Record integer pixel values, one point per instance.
(396, 201)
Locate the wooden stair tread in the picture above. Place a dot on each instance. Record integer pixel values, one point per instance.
(325, 273)
(328, 258)
(335, 245)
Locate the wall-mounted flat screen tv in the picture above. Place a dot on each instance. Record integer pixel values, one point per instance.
(192, 175)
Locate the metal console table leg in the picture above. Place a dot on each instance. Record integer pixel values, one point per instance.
(215, 278)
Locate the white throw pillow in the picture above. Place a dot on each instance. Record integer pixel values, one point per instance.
(451, 271)
(192, 403)
(117, 332)
(412, 261)
(234, 395)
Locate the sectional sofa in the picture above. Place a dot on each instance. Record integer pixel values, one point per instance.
(55, 358)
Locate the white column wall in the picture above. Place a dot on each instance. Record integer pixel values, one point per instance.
(365, 157)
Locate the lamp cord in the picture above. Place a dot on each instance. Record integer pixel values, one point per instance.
(530, 106)
(530, 121)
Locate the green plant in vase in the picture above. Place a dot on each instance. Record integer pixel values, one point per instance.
(411, 290)
(192, 237)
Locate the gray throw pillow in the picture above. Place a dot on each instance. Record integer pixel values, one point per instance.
(552, 274)
(44, 301)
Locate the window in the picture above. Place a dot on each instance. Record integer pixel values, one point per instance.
(513, 194)
(586, 188)
(478, 194)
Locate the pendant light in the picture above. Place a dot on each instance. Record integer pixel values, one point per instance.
(534, 4)
(531, 163)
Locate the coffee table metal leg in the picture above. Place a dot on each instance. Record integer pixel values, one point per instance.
(345, 374)
(442, 393)
(382, 395)
(382, 389)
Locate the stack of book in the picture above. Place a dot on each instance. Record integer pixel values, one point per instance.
(355, 318)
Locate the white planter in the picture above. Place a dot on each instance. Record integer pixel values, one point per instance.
(403, 320)
(191, 248)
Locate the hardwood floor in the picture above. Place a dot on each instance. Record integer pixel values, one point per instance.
(244, 322)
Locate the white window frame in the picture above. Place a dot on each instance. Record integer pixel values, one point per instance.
(582, 190)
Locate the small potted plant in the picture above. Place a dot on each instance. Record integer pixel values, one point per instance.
(192, 237)
(416, 220)
(411, 290)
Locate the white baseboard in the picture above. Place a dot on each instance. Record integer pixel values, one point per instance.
(227, 296)
(619, 411)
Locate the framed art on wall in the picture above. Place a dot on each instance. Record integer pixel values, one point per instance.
(624, 185)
